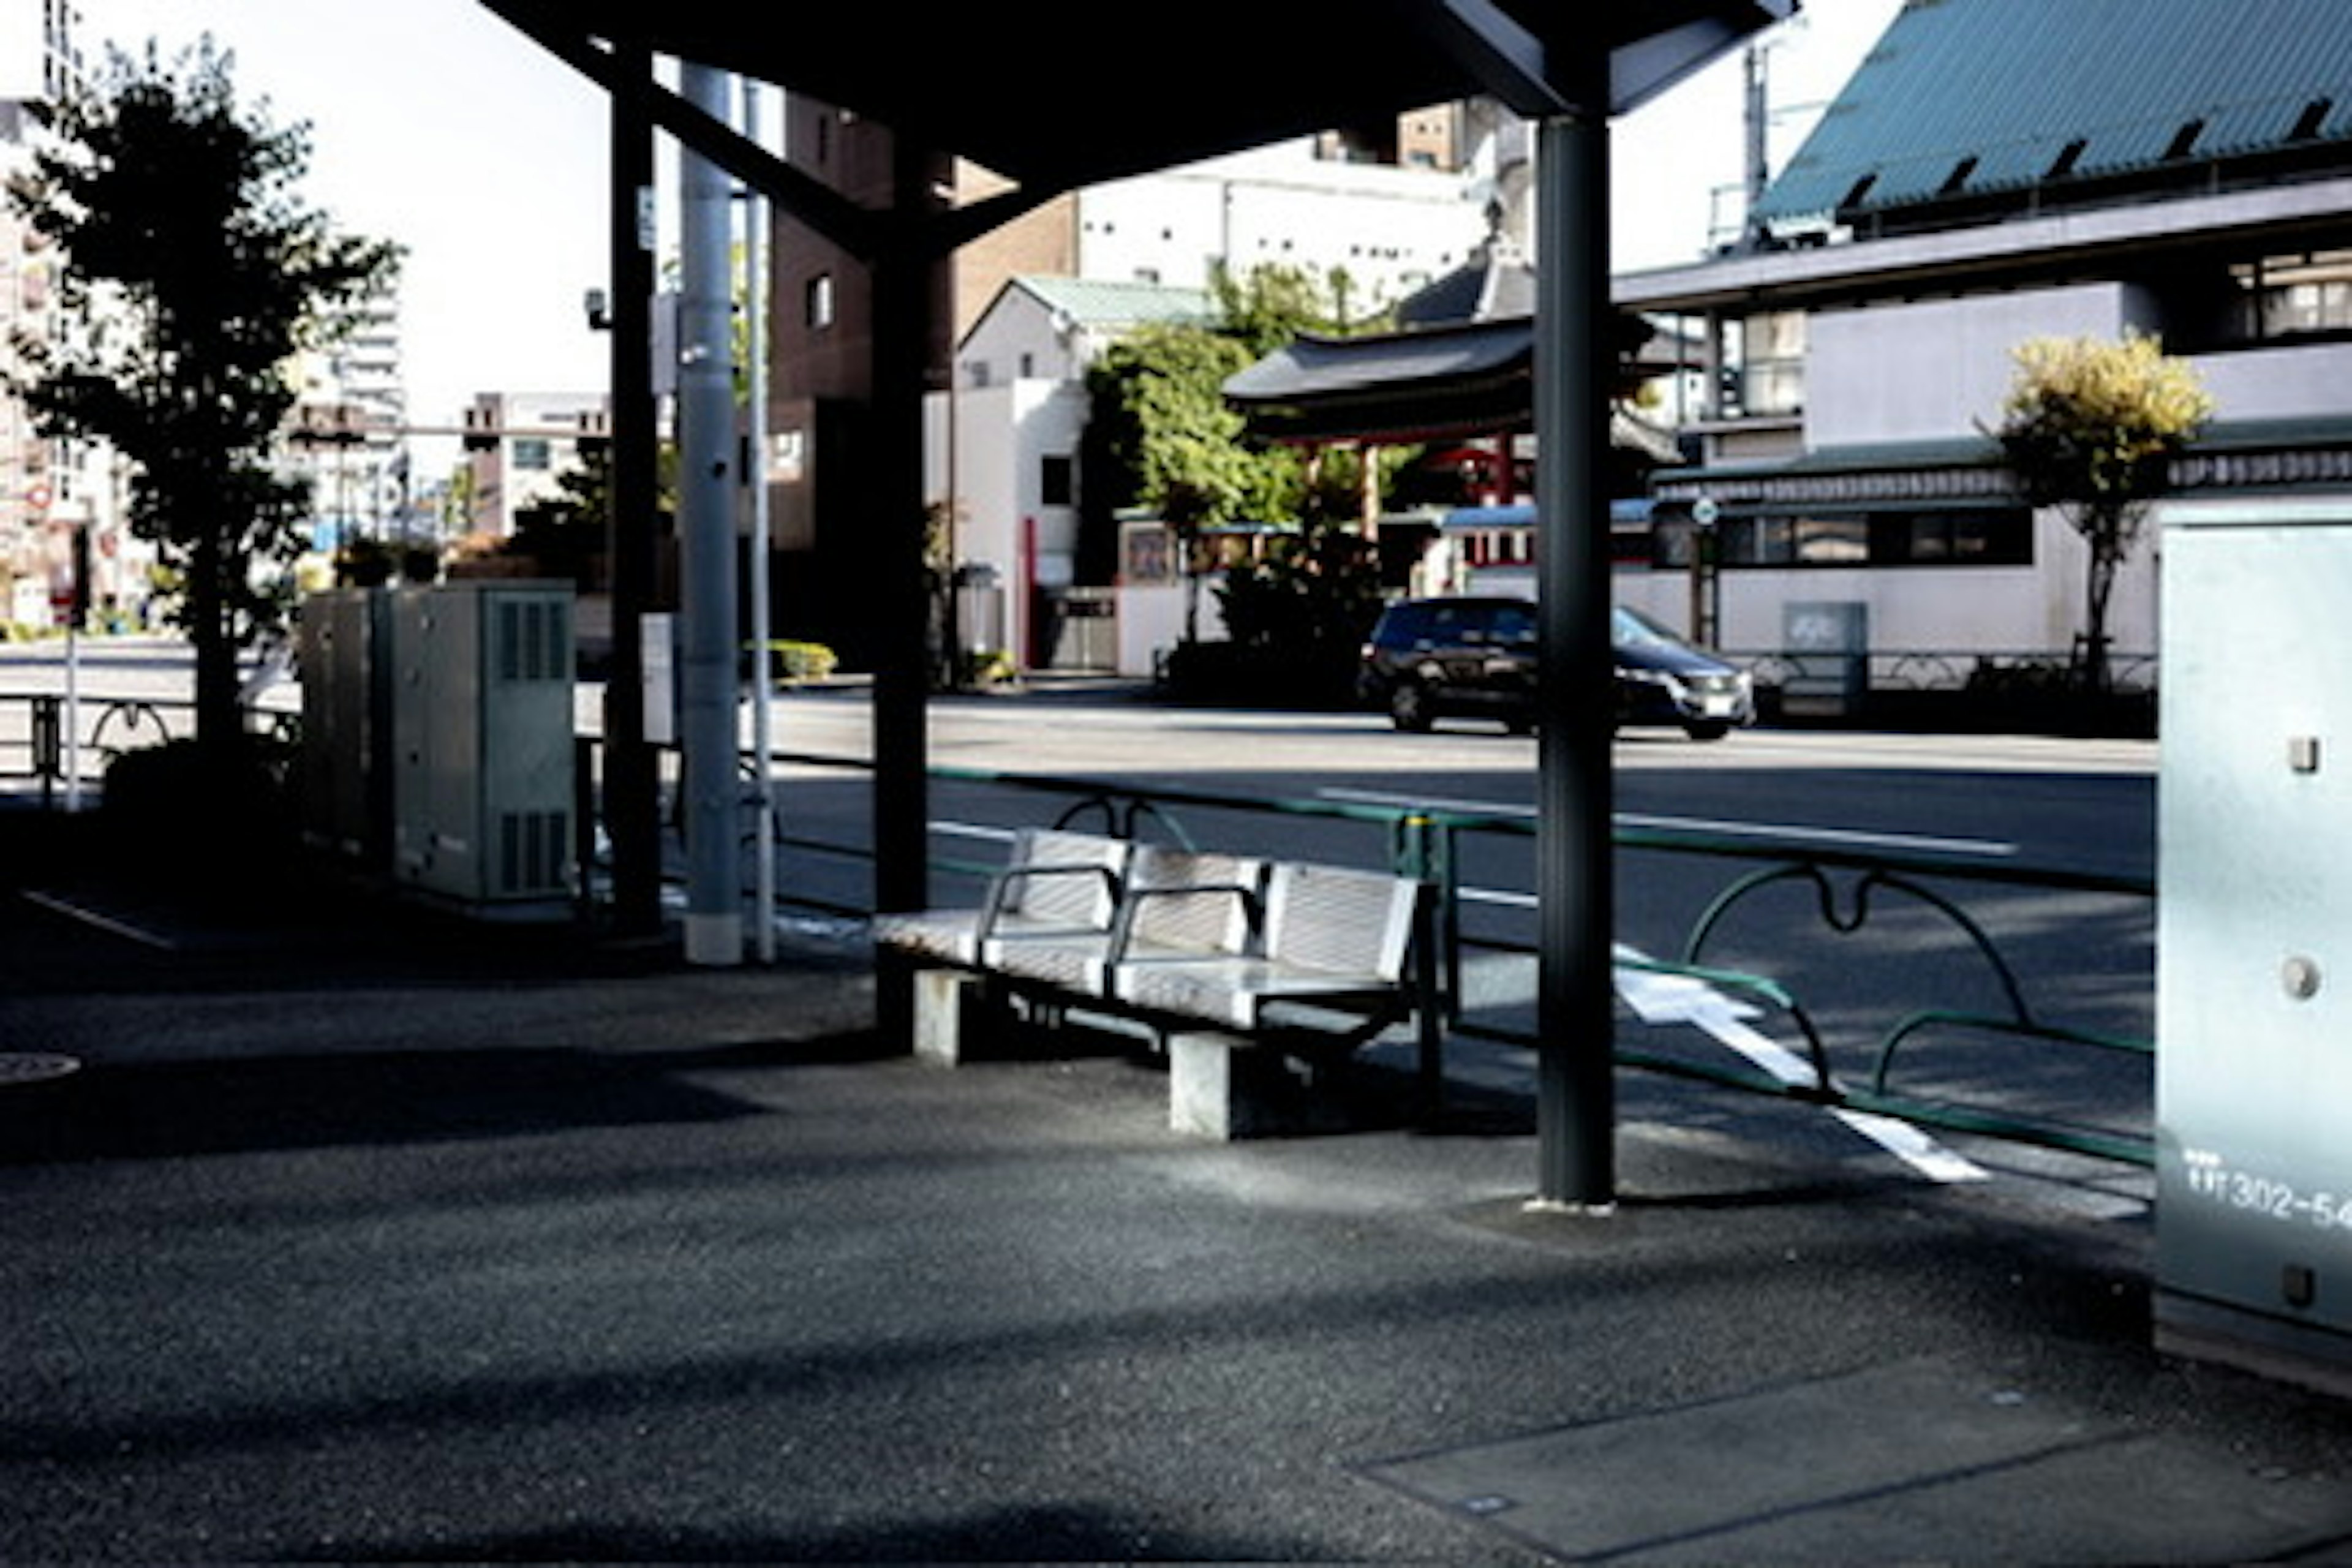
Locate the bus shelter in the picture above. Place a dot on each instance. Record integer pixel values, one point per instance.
(1052, 101)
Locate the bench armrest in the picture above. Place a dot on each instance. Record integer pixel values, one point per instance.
(1122, 927)
(1003, 882)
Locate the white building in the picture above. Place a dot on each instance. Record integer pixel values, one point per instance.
(1006, 444)
(49, 490)
(1388, 229)
(517, 448)
(1380, 222)
(347, 431)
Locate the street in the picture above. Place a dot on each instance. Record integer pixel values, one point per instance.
(1329, 785)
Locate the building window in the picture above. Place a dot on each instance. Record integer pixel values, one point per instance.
(2294, 296)
(1963, 536)
(817, 302)
(533, 454)
(1772, 364)
(1058, 481)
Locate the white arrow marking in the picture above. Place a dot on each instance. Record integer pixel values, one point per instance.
(1658, 999)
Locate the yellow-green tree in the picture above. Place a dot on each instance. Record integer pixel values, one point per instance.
(2091, 428)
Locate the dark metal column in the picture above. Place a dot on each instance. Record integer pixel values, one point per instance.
(902, 343)
(1575, 1005)
(632, 779)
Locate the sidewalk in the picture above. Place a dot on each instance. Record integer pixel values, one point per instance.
(361, 1235)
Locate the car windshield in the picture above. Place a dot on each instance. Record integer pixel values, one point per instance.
(1631, 628)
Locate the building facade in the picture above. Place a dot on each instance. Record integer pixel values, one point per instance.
(1992, 173)
(1390, 206)
(519, 445)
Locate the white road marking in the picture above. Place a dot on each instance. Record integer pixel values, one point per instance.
(106, 923)
(1658, 999)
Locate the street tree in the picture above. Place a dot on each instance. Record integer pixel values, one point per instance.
(195, 274)
(2090, 428)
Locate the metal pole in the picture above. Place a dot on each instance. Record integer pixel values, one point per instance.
(632, 772)
(755, 464)
(903, 308)
(709, 726)
(1576, 1109)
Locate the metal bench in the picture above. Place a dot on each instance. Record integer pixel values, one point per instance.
(1255, 978)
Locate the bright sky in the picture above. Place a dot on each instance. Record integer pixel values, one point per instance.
(436, 124)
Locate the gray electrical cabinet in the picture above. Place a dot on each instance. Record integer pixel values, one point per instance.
(2254, 939)
(1827, 645)
(482, 732)
(343, 657)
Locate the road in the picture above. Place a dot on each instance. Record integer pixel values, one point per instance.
(2085, 959)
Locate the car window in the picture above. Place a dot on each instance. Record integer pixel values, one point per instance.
(1514, 627)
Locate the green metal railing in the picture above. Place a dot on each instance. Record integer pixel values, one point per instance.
(1429, 843)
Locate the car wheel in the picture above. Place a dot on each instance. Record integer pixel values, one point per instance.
(1409, 706)
(1706, 730)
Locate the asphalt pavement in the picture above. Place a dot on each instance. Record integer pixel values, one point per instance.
(363, 1233)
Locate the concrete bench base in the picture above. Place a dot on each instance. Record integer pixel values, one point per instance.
(1225, 1088)
(1219, 1086)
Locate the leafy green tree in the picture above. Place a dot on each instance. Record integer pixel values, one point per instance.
(564, 532)
(1298, 615)
(196, 274)
(1268, 306)
(2091, 428)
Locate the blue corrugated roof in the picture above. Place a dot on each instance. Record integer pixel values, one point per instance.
(2035, 89)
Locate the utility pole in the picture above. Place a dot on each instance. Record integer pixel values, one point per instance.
(708, 723)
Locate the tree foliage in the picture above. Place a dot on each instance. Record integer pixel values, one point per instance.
(2090, 428)
(195, 274)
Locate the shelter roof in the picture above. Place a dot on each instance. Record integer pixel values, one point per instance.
(1050, 99)
(1969, 100)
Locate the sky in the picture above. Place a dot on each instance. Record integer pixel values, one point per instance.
(436, 124)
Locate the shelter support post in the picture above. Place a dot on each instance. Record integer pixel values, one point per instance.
(1575, 1103)
(902, 338)
(632, 775)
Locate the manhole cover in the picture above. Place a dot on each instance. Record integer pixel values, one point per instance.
(34, 1068)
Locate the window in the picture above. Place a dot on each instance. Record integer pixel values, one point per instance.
(533, 452)
(1989, 536)
(1057, 481)
(2293, 296)
(1772, 364)
(816, 305)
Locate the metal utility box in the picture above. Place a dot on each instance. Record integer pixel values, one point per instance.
(343, 659)
(2254, 940)
(482, 727)
(1828, 644)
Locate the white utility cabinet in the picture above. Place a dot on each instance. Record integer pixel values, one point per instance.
(2254, 938)
(482, 730)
